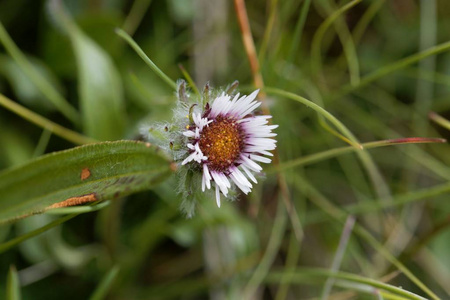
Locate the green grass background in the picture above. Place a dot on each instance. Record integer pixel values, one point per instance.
(380, 67)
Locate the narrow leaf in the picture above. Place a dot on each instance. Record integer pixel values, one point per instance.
(100, 86)
(102, 290)
(80, 175)
(100, 90)
(12, 285)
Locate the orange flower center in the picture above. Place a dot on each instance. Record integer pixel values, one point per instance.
(221, 142)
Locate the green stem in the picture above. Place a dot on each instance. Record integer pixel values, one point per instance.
(40, 121)
(45, 87)
(135, 16)
(145, 58)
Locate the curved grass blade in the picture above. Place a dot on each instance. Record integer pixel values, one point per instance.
(316, 63)
(41, 83)
(321, 111)
(42, 122)
(145, 58)
(80, 175)
(320, 156)
(13, 242)
(393, 67)
(308, 274)
(102, 290)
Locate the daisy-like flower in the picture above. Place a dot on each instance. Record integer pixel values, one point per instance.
(226, 142)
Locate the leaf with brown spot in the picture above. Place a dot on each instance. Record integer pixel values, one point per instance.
(115, 169)
(85, 174)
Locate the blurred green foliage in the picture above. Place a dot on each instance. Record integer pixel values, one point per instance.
(142, 247)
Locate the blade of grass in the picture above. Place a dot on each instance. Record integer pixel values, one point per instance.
(46, 88)
(43, 143)
(346, 39)
(11, 243)
(145, 58)
(316, 157)
(308, 273)
(337, 260)
(439, 120)
(13, 285)
(298, 32)
(334, 211)
(366, 18)
(273, 246)
(373, 206)
(292, 259)
(333, 120)
(105, 285)
(316, 62)
(424, 89)
(134, 18)
(42, 122)
(395, 66)
(398, 200)
(389, 104)
(268, 31)
(375, 176)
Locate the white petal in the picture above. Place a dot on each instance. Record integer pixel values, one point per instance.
(217, 196)
(260, 158)
(223, 185)
(189, 133)
(206, 176)
(249, 174)
(188, 159)
(250, 163)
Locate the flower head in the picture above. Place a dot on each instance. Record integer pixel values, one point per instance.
(226, 142)
(219, 145)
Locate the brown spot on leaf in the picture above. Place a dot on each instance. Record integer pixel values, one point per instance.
(85, 174)
(147, 145)
(173, 166)
(75, 201)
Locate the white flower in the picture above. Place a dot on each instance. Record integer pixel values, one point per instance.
(226, 142)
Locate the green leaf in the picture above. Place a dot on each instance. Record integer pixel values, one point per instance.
(93, 172)
(12, 285)
(100, 90)
(100, 85)
(23, 86)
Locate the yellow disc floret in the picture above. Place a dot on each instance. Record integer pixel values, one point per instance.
(221, 142)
